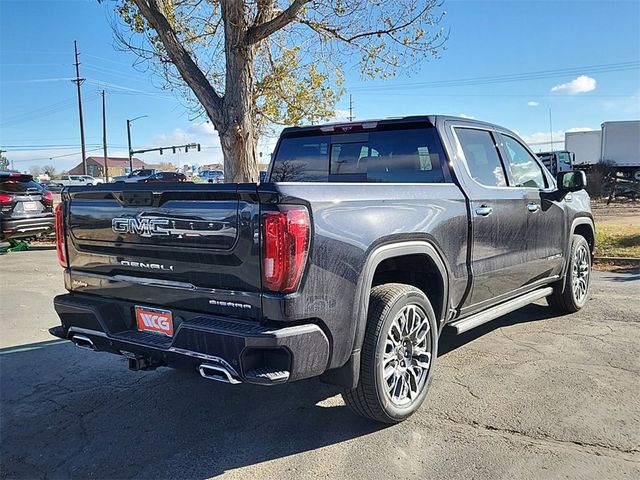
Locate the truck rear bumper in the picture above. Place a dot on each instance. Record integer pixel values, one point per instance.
(223, 349)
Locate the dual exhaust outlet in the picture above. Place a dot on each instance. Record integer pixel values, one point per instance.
(220, 371)
(217, 369)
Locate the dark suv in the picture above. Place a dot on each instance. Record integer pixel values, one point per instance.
(26, 208)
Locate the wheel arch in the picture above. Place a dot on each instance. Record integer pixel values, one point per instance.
(582, 226)
(348, 374)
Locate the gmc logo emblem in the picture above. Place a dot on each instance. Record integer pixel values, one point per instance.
(144, 226)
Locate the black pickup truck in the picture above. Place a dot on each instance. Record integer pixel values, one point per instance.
(367, 242)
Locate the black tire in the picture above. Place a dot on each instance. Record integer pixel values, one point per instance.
(371, 398)
(569, 296)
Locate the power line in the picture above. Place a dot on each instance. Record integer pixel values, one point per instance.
(506, 78)
(55, 156)
(26, 148)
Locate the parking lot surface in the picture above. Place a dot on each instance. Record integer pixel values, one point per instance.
(529, 395)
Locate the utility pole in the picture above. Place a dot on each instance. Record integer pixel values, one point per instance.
(550, 129)
(350, 109)
(104, 138)
(78, 81)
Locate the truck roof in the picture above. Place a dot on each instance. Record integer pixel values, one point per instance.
(432, 120)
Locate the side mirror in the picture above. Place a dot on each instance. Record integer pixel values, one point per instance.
(572, 181)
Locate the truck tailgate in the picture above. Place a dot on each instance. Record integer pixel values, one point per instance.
(180, 245)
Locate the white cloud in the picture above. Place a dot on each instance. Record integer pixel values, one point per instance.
(533, 104)
(541, 141)
(582, 84)
(464, 115)
(340, 115)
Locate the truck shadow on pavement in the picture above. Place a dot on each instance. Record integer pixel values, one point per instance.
(68, 412)
(528, 314)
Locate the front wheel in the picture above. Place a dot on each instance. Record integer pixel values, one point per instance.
(398, 354)
(570, 295)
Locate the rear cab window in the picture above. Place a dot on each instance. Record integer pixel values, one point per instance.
(393, 155)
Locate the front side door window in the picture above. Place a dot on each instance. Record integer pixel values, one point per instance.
(525, 171)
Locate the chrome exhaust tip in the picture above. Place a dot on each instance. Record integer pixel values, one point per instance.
(83, 342)
(220, 372)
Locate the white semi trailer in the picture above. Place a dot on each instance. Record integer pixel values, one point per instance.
(586, 147)
(616, 145)
(621, 147)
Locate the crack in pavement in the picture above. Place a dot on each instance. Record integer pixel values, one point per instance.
(627, 454)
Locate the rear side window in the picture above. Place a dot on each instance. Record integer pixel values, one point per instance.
(17, 186)
(386, 156)
(482, 157)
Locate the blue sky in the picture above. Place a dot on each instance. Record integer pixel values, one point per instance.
(38, 110)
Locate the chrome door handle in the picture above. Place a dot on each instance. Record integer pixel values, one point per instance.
(483, 211)
(533, 207)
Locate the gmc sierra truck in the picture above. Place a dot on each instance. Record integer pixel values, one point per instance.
(367, 241)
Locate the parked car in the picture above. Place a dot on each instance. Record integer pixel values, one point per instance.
(26, 208)
(368, 241)
(78, 180)
(136, 175)
(52, 185)
(165, 177)
(212, 176)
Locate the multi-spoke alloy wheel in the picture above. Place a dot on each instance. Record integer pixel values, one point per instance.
(407, 355)
(580, 273)
(398, 354)
(570, 294)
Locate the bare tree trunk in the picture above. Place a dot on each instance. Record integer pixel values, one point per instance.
(237, 130)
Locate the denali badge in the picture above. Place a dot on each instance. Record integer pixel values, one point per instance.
(148, 266)
(143, 226)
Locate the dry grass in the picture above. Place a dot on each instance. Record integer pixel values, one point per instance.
(617, 240)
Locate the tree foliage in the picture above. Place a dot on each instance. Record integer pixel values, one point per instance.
(35, 170)
(250, 64)
(167, 167)
(50, 170)
(4, 162)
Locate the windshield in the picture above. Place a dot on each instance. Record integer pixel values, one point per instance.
(142, 173)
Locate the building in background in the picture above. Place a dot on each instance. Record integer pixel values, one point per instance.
(117, 166)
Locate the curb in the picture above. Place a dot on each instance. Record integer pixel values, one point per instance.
(618, 260)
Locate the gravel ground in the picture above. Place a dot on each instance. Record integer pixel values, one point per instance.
(529, 395)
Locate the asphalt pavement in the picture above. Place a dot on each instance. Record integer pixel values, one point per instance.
(530, 395)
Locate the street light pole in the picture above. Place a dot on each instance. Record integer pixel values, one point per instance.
(129, 122)
(129, 143)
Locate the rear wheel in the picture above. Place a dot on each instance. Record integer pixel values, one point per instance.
(398, 354)
(573, 296)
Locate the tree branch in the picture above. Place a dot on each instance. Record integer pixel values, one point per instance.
(181, 58)
(259, 32)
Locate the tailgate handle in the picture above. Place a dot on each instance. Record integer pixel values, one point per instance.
(136, 199)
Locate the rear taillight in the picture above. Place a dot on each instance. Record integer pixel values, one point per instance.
(5, 198)
(285, 246)
(48, 196)
(60, 246)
